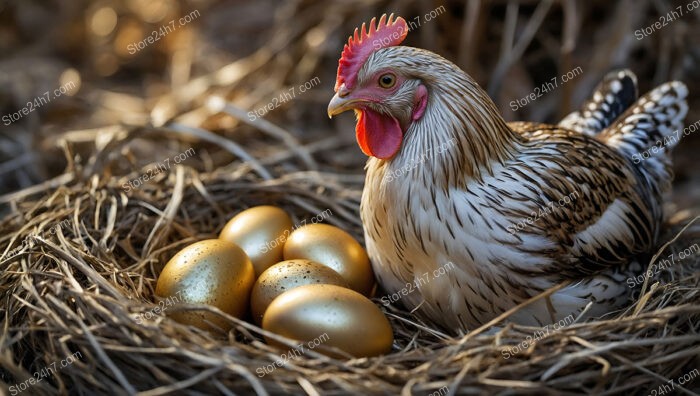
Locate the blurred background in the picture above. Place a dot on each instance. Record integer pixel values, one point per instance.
(123, 77)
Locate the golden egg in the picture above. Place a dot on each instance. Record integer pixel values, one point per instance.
(331, 246)
(213, 272)
(322, 316)
(285, 276)
(260, 231)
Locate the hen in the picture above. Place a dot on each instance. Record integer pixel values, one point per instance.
(466, 216)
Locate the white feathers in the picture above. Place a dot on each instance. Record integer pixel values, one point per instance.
(651, 127)
(500, 203)
(613, 95)
(616, 86)
(611, 226)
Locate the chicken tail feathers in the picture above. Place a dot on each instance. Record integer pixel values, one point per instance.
(652, 126)
(647, 131)
(615, 94)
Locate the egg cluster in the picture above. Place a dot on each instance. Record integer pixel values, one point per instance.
(314, 283)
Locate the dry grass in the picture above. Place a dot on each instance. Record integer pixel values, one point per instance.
(97, 247)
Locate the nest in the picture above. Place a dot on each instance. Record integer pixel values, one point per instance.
(82, 249)
(80, 280)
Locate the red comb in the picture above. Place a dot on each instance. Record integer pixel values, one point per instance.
(386, 34)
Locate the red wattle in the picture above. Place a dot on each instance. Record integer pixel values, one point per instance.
(378, 135)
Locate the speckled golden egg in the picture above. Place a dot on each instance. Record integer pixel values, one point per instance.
(285, 276)
(331, 246)
(213, 272)
(323, 316)
(260, 231)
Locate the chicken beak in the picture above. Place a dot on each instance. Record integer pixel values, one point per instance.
(340, 104)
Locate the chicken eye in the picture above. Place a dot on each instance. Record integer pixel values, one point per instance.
(387, 80)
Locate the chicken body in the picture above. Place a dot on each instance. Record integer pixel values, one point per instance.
(472, 215)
